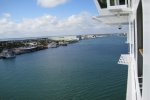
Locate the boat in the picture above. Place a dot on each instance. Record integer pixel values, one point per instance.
(7, 54)
(135, 15)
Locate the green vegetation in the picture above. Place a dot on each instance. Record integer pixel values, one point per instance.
(43, 42)
(10, 45)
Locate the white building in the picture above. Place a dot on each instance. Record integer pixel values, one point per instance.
(65, 38)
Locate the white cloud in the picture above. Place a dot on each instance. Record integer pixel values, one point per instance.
(48, 25)
(7, 15)
(50, 3)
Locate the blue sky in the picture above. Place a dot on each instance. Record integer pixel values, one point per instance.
(34, 18)
(30, 9)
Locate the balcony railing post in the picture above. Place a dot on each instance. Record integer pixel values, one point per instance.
(126, 2)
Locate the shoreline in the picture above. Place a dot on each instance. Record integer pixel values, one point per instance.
(13, 52)
(10, 49)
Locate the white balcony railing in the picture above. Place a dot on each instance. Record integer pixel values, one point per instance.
(124, 59)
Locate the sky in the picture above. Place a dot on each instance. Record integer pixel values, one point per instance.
(35, 18)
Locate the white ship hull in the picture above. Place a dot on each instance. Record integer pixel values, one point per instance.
(135, 14)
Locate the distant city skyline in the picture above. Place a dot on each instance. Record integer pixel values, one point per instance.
(33, 18)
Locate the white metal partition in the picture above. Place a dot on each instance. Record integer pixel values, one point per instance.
(146, 53)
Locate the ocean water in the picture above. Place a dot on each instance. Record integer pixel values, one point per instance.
(87, 70)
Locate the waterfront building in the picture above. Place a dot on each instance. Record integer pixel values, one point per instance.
(65, 38)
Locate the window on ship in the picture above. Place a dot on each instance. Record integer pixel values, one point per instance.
(139, 18)
(102, 3)
(117, 2)
(121, 2)
(112, 2)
